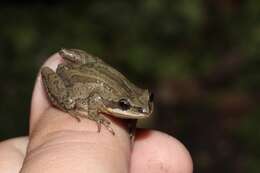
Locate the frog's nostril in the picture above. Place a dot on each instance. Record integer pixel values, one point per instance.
(142, 110)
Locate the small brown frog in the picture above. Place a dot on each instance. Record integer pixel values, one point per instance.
(85, 86)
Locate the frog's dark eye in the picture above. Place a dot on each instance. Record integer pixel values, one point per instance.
(151, 97)
(124, 104)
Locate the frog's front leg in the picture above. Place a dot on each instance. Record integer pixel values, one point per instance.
(94, 112)
(56, 90)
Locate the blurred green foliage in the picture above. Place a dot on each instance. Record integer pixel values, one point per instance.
(200, 57)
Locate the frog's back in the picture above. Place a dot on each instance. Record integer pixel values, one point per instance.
(108, 78)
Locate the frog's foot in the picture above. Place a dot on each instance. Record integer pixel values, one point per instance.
(94, 116)
(77, 56)
(76, 115)
(100, 120)
(105, 122)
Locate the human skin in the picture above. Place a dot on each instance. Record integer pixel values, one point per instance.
(58, 143)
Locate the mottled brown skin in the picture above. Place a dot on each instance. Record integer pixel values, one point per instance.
(85, 86)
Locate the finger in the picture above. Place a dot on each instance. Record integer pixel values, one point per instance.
(39, 98)
(59, 143)
(156, 152)
(12, 153)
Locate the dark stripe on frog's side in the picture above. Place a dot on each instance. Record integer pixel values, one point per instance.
(90, 79)
(110, 76)
(115, 76)
(94, 75)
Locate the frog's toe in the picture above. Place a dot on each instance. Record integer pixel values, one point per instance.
(99, 127)
(75, 115)
(110, 130)
(107, 123)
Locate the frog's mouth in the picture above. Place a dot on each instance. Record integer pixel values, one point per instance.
(127, 114)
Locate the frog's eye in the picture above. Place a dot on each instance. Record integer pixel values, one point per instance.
(124, 104)
(151, 97)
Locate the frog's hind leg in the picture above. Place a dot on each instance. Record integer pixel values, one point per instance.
(77, 56)
(56, 90)
(63, 71)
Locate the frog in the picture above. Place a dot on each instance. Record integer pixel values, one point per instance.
(84, 86)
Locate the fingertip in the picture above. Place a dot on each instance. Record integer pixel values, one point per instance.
(59, 136)
(155, 151)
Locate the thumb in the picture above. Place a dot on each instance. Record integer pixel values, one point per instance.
(59, 143)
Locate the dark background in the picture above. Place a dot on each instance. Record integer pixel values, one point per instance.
(200, 57)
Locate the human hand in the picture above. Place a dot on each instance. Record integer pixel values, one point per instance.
(58, 143)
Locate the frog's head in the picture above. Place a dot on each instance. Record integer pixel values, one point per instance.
(133, 108)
